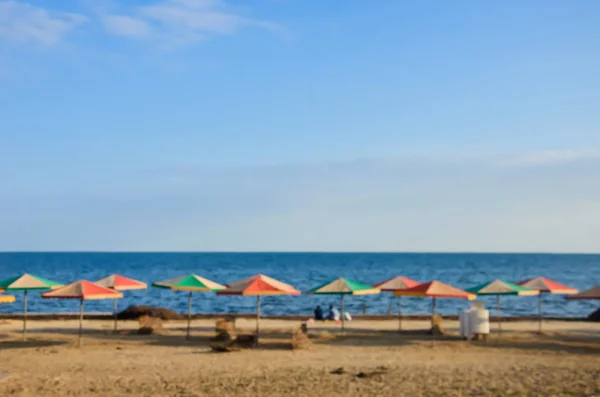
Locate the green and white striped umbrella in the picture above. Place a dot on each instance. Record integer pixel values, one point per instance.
(191, 283)
(26, 282)
(342, 287)
(501, 287)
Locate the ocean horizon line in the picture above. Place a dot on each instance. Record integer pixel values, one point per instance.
(309, 252)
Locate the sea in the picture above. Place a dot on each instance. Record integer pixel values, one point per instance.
(305, 271)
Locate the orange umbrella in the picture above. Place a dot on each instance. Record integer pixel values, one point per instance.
(258, 286)
(82, 290)
(120, 283)
(547, 286)
(395, 284)
(435, 289)
(543, 284)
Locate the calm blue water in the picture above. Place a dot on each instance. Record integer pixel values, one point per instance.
(304, 271)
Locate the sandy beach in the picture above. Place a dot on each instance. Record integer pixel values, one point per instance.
(564, 361)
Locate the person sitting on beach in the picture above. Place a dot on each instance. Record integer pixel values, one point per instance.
(319, 314)
(334, 314)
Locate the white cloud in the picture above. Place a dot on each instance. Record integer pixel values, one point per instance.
(24, 22)
(184, 21)
(170, 22)
(124, 25)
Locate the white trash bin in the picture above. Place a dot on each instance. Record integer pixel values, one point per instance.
(479, 322)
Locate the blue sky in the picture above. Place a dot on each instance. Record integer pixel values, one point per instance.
(300, 125)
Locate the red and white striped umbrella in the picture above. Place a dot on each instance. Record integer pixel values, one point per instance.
(258, 285)
(120, 283)
(82, 290)
(396, 284)
(546, 286)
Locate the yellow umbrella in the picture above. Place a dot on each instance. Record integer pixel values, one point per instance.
(7, 298)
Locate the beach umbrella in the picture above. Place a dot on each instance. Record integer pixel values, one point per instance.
(7, 298)
(546, 286)
(82, 290)
(258, 285)
(120, 283)
(191, 283)
(498, 288)
(395, 284)
(26, 282)
(592, 293)
(341, 287)
(435, 289)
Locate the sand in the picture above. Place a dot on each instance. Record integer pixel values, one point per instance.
(564, 361)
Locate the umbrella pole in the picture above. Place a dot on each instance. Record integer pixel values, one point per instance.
(540, 312)
(187, 336)
(400, 313)
(115, 314)
(257, 318)
(432, 323)
(342, 313)
(24, 315)
(499, 314)
(80, 321)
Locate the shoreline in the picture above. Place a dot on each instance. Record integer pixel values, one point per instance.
(101, 316)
